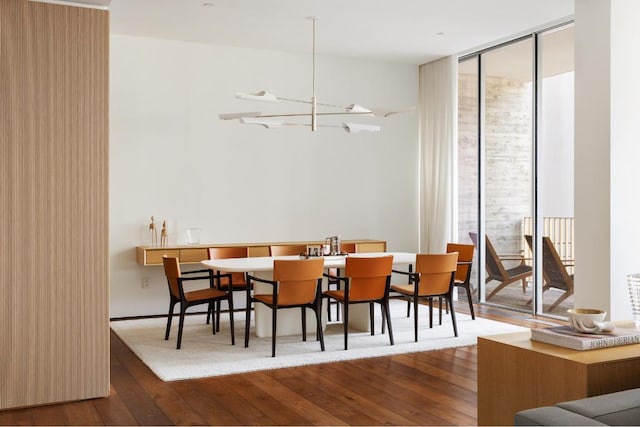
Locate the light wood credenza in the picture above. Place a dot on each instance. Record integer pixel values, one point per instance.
(515, 373)
(192, 254)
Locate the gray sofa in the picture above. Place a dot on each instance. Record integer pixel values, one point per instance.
(620, 408)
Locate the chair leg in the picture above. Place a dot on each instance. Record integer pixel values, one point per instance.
(172, 305)
(247, 323)
(387, 314)
(233, 329)
(562, 297)
(304, 323)
(408, 308)
(346, 326)
(218, 310)
(453, 315)
(180, 326)
(430, 313)
(213, 318)
(371, 318)
(319, 332)
(274, 328)
(468, 289)
(247, 317)
(384, 320)
(209, 308)
(415, 319)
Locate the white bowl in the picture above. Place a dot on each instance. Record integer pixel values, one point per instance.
(587, 320)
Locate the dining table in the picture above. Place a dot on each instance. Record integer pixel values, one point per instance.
(289, 321)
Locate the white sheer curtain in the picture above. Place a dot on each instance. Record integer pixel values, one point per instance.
(438, 139)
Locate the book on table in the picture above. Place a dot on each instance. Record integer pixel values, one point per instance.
(565, 336)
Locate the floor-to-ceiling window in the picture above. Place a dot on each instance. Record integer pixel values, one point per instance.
(515, 175)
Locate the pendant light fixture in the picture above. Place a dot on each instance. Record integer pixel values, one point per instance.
(275, 120)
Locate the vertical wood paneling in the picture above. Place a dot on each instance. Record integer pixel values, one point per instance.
(54, 288)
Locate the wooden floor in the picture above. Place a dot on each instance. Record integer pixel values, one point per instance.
(429, 388)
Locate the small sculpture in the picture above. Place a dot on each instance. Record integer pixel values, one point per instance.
(164, 237)
(154, 232)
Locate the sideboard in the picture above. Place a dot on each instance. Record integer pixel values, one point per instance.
(515, 373)
(192, 254)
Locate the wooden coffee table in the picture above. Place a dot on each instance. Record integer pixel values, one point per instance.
(515, 373)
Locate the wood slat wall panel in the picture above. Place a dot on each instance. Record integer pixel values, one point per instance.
(54, 284)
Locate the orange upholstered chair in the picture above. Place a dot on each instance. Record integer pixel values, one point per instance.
(295, 284)
(366, 281)
(463, 272)
(345, 248)
(433, 278)
(209, 295)
(223, 280)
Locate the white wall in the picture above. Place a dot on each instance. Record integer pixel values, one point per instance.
(607, 149)
(557, 141)
(172, 157)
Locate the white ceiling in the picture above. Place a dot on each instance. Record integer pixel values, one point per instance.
(405, 31)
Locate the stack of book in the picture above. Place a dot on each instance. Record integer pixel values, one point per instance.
(565, 336)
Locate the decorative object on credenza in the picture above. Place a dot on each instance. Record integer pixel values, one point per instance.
(334, 245)
(153, 232)
(315, 250)
(193, 235)
(275, 120)
(164, 235)
(633, 282)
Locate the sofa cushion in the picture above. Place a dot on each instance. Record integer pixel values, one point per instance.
(552, 416)
(620, 408)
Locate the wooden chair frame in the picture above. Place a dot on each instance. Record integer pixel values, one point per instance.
(497, 271)
(210, 296)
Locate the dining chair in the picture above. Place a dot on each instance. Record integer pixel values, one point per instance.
(295, 284)
(209, 295)
(463, 271)
(366, 281)
(345, 248)
(433, 278)
(283, 250)
(225, 281)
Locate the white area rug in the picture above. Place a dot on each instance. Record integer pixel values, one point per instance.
(206, 355)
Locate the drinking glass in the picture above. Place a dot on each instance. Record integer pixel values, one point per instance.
(633, 281)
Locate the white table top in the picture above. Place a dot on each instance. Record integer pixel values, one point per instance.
(253, 264)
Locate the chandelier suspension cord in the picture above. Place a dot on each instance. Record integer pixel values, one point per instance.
(313, 76)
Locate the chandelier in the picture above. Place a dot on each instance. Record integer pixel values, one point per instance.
(275, 120)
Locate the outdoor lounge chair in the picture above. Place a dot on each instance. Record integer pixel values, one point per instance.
(554, 271)
(497, 271)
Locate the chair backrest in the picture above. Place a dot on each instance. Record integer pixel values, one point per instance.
(172, 271)
(298, 280)
(230, 252)
(436, 272)
(465, 254)
(282, 250)
(368, 277)
(349, 248)
(554, 272)
(494, 266)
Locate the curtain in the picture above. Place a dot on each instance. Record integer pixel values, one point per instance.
(438, 140)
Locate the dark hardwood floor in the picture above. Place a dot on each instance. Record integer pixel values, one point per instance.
(429, 388)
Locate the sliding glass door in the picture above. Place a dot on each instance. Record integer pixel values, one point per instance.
(514, 152)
